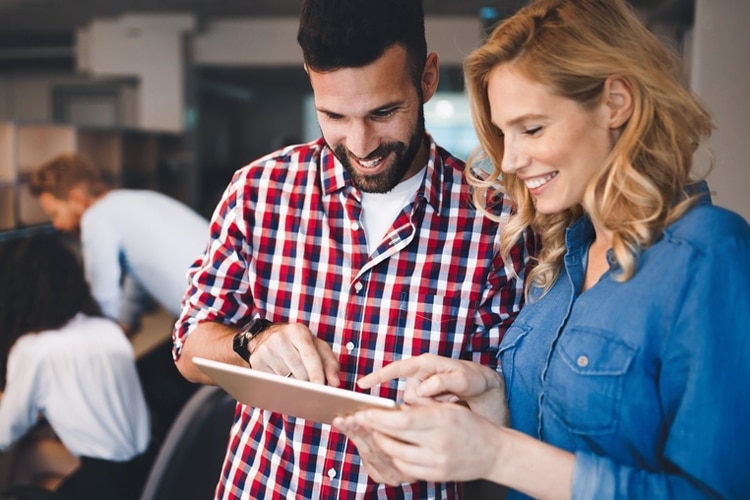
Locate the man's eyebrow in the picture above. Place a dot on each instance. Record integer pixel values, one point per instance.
(389, 105)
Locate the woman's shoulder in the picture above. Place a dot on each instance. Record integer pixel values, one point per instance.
(80, 330)
(707, 228)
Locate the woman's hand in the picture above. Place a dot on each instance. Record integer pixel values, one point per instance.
(437, 378)
(431, 441)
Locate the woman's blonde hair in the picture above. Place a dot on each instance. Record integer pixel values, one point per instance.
(573, 46)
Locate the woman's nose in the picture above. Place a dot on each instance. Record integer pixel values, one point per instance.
(513, 158)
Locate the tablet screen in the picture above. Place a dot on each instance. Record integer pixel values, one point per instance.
(297, 398)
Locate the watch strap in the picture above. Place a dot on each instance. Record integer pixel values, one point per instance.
(248, 332)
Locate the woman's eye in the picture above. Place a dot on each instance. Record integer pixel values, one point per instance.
(532, 131)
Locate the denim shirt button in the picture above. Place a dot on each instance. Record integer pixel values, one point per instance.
(582, 361)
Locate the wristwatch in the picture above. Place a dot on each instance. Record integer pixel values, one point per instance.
(248, 332)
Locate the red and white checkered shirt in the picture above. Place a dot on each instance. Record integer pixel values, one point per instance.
(287, 244)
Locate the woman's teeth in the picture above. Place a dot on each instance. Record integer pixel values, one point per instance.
(539, 181)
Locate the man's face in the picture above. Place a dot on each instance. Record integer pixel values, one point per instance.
(65, 214)
(372, 118)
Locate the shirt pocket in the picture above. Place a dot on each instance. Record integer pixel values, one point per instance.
(437, 316)
(513, 337)
(585, 380)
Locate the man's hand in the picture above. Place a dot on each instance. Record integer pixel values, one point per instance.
(291, 349)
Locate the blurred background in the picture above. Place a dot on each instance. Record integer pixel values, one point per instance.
(175, 95)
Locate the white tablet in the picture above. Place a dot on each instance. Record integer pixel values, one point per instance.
(298, 398)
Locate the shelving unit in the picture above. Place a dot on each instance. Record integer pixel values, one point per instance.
(7, 176)
(130, 158)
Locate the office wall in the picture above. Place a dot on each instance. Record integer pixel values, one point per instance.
(716, 61)
(273, 42)
(720, 75)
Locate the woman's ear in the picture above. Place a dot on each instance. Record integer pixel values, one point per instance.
(430, 76)
(619, 98)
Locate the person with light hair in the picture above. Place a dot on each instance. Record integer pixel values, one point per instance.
(623, 375)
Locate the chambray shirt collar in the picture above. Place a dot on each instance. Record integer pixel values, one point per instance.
(580, 234)
(335, 178)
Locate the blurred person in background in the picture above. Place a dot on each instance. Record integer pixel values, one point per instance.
(137, 246)
(71, 402)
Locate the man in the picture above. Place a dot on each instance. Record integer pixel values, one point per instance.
(144, 236)
(344, 254)
(137, 246)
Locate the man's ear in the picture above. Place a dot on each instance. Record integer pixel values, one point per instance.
(618, 93)
(430, 76)
(79, 198)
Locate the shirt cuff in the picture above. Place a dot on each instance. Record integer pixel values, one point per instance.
(591, 479)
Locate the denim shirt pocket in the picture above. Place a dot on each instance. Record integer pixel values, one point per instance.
(585, 380)
(507, 352)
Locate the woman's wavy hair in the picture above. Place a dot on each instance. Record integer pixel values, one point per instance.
(573, 46)
(43, 286)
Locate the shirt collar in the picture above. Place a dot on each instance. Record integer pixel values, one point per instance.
(334, 177)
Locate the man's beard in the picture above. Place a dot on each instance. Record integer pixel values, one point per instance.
(400, 163)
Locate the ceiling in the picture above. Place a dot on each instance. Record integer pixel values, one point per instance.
(37, 18)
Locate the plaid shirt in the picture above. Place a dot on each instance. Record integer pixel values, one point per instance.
(287, 245)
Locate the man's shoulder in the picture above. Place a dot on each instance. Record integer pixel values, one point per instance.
(289, 165)
(297, 155)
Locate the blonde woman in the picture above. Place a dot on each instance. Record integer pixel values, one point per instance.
(624, 375)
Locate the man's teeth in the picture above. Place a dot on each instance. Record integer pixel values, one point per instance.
(371, 163)
(539, 181)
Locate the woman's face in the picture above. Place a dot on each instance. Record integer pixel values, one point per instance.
(552, 143)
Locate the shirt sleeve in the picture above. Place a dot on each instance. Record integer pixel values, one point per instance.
(100, 247)
(134, 304)
(19, 407)
(218, 288)
(702, 383)
(502, 299)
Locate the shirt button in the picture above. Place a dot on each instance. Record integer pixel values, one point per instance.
(358, 286)
(355, 226)
(331, 473)
(349, 346)
(582, 361)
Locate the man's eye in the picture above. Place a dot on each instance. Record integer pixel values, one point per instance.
(383, 113)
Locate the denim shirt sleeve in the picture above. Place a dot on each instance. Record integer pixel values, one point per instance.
(596, 477)
(702, 381)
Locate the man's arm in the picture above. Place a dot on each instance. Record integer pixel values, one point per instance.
(289, 349)
(208, 340)
(135, 302)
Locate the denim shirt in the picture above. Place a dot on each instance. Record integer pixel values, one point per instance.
(646, 380)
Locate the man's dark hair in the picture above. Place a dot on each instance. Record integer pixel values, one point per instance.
(337, 34)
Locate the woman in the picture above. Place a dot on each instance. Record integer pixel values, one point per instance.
(72, 400)
(625, 372)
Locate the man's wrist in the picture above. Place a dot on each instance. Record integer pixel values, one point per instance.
(242, 339)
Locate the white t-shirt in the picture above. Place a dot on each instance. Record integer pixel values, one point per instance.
(83, 380)
(379, 210)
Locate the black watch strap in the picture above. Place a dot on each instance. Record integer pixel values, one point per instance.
(243, 337)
